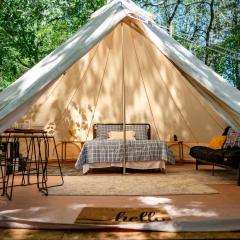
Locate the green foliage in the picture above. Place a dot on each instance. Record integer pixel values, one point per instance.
(191, 25)
(30, 29)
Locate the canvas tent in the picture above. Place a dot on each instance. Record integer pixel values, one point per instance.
(81, 82)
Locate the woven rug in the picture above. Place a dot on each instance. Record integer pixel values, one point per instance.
(204, 175)
(127, 185)
(99, 215)
(67, 170)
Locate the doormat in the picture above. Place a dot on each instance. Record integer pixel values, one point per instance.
(97, 215)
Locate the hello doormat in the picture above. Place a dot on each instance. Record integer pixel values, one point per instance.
(97, 215)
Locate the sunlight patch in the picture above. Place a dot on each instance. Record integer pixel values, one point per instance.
(10, 211)
(78, 206)
(154, 200)
(36, 209)
(180, 212)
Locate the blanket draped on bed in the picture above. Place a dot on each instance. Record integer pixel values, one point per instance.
(111, 151)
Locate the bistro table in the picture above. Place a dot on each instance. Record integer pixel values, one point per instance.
(34, 163)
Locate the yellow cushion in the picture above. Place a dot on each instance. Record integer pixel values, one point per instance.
(217, 142)
(114, 135)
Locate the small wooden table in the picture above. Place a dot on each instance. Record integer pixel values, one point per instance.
(64, 148)
(180, 149)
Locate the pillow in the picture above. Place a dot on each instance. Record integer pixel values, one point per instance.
(102, 130)
(141, 131)
(217, 142)
(233, 139)
(130, 135)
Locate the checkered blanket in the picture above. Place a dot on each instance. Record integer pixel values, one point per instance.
(111, 151)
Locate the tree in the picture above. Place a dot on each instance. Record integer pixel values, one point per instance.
(30, 29)
(208, 28)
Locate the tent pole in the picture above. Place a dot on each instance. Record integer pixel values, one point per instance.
(123, 109)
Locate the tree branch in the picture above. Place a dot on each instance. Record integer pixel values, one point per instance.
(160, 4)
(199, 2)
(170, 18)
(174, 11)
(55, 19)
(22, 63)
(154, 4)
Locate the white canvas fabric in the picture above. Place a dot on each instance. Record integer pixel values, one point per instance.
(80, 83)
(220, 94)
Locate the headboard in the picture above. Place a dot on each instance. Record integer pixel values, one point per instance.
(120, 127)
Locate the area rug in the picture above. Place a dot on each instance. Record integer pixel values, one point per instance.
(204, 175)
(67, 170)
(99, 215)
(130, 185)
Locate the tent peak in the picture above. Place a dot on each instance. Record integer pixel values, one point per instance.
(129, 7)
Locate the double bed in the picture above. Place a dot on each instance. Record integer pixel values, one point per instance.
(141, 153)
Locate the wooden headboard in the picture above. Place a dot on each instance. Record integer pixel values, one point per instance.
(127, 124)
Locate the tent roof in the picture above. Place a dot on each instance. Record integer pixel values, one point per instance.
(22, 94)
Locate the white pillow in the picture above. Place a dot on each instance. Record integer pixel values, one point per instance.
(114, 135)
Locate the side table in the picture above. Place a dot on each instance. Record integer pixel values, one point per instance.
(64, 145)
(180, 149)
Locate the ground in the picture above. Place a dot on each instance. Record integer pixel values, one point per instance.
(28, 204)
(26, 234)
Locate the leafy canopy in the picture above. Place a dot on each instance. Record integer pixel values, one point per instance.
(30, 29)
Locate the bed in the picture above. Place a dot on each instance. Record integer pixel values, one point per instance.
(142, 153)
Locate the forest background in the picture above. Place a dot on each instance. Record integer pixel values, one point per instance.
(31, 29)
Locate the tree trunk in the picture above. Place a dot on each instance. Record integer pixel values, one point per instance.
(171, 17)
(237, 68)
(209, 32)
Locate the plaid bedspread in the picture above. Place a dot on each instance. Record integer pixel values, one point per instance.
(110, 151)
